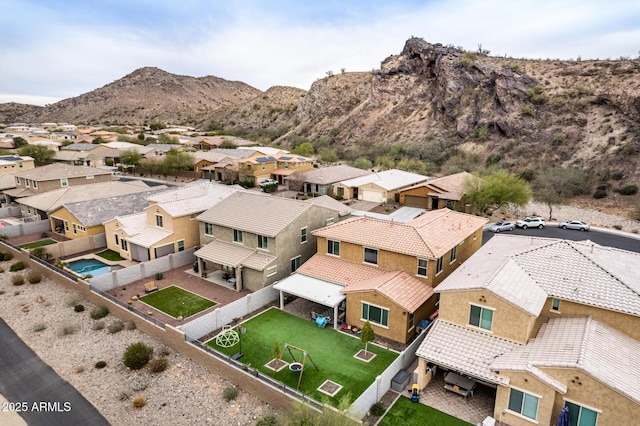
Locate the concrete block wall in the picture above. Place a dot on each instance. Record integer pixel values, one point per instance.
(26, 228)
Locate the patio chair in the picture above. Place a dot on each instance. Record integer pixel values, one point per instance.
(150, 287)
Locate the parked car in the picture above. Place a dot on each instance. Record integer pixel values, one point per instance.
(268, 182)
(574, 224)
(530, 222)
(501, 226)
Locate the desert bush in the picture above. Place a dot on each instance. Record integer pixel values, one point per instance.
(17, 279)
(537, 94)
(78, 308)
(339, 197)
(72, 299)
(139, 402)
(99, 312)
(98, 325)
(158, 365)
(268, 420)
(129, 325)
(600, 193)
(377, 409)
(617, 175)
(40, 253)
(18, 266)
(115, 327)
(158, 276)
(526, 109)
(230, 393)
(6, 256)
(39, 326)
(137, 355)
(34, 277)
(100, 364)
(67, 329)
(139, 384)
(630, 189)
(79, 369)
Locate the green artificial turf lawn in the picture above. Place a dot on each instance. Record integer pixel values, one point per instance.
(332, 351)
(177, 302)
(407, 413)
(40, 243)
(110, 255)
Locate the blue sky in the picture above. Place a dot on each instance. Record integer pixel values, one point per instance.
(56, 49)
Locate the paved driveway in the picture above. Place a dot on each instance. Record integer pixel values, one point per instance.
(31, 386)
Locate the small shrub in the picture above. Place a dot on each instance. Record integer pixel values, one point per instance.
(537, 94)
(159, 276)
(39, 326)
(79, 369)
(78, 308)
(630, 189)
(137, 355)
(230, 393)
(139, 385)
(617, 175)
(158, 365)
(98, 325)
(40, 253)
(115, 327)
(618, 227)
(377, 409)
(139, 402)
(18, 266)
(600, 193)
(99, 312)
(268, 420)
(100, 364)
(7, 256)
(339, 197)
(72, 299)
(34, 277)
(17, 279)
(129, 325)
(67, 329)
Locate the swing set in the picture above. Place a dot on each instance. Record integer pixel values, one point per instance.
(296, 366)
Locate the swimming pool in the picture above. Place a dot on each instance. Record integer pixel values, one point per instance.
(89, 267)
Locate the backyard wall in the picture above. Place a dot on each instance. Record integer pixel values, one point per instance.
(80, 245)
(10, 211)
(142, 270)
(26, 228)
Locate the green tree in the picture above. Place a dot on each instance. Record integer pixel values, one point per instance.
(227, 144)
(496, 190)
(552, 186)
(177, 161)
(166, 138)
(40, 154)
(98, 140)
(367, 335)
(386, 162)
(19, 142)
(328, 155)
(156, 126)
(412, 165)
(141, 136)
(362, 163)
(130, 158)
(305, 149)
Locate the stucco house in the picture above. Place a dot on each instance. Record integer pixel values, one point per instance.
(259, 239)
(258, 167)
(320, 181)
(438, 193)
(378, 187)
(548, 323)
(15, 163)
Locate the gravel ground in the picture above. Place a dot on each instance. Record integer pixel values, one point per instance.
(185, 393)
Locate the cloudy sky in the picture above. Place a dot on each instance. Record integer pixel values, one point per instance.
(56, 49)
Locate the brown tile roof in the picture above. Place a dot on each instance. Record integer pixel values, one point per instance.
(338, 271)
(431, 235)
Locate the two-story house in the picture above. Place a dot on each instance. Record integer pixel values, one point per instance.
(378, 187)
(258, 239)
(385, 270)
(549, 324)
(15, 163)
(258, 168)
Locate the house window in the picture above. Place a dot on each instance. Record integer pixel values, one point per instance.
(181, 245)
(192, 216)
(375, 314)
(422, 267)
(27, 183)
(264, 166)
(451, 204)
(481, 317)
(411, 319)
(524, 404)
(19, 165)
(75, 229)
(341, 191)
(581, 416)
(454, 253)
(159, 221)
(208, 228)
(295, 264)
(17, 180)
(303, 235)
(66, 226)
(555, 305)
(237, 236)
(371, 256)
(123, 244)
(262, 242)
(272, 271)
(64, 182)
(438, 266)
(333, 247)
(117, 240)
(330, 221)
(35, 184)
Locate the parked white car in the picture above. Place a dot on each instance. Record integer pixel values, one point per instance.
(530, 222)
(501, 226)
(268, 182)
(574, 224)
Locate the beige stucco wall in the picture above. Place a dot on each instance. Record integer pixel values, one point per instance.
(64, 215)
(526, 383)
(348, 191)
(15, 167)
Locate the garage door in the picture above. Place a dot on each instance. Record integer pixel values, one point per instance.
(415, 201)
(375, 196)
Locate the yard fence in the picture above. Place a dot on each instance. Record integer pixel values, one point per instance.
(10, 211)
(26, 228)
(142, 270)
(79, 245)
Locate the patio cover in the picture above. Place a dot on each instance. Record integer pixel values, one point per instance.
(234, 255)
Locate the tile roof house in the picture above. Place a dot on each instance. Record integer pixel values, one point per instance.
(446, 191)
(167, 225)
(15, 163)
(259, 239)
(259, 167)
(550, 322)
(378, 186)
(320, 181)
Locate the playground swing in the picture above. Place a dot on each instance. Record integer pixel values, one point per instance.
(296, 366)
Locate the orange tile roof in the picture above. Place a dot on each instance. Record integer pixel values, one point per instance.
(430, 236)
(338, 271)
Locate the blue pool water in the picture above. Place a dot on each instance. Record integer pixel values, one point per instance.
(89, 267)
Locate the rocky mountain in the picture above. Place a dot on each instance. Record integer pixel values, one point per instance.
(439, 101)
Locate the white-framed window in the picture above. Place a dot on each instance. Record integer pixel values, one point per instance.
(264, 166)
(555, 305)
(159, 221)
(303, 235)
(454, 254)
(192, 216)
(27, 183)
(333, 247)
(438, 265)
(123, 244)
(75, 228)
(35, 184)
(295, 264)
(411, 320)
(341, 191)
(66, 226)
(272, 271)
(524, 404)
(580, 415)
(237, 236)
(64, 182)
(117, 240)
(330, 221)
(422, 267)
(208, 228)
(375, 314)
(481, 317)
(17, 180)
(263, 242)
(181, 245)
(370, 256)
